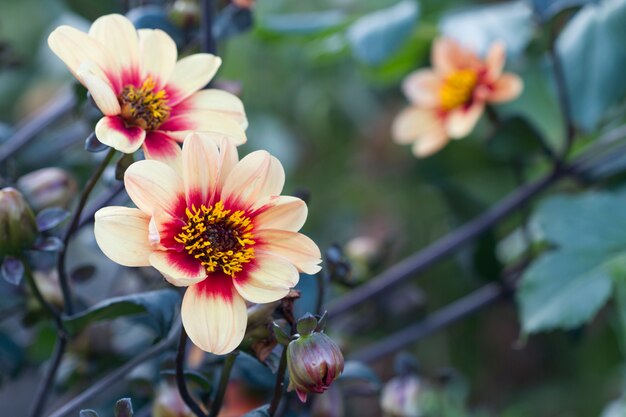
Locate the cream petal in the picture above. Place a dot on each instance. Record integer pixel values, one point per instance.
(412, 123)
(218, 101)
(508, 87)
(297, 248)
(191, 74)
(178, 268)
(448, 56)
(76, 48)
(122, 234)
(495, 60)
(280, 212)
(112, 131)
(430, 143)
(210, 123)
(268, 281)
(158, 55)
(257, 175)
(460, 122)
(100, 89)
(153, 185)
(214, 315)
(160, 147)
(229, 157)
(422, 88)
(200, 168)
(118, 35)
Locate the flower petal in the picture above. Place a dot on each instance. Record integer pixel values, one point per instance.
(268, 281)
(430, 143)
(112, 131)
(218, 101)
(100, 89)
(160, 147)
(495, 60)
(448, 56)
(178, 268)
(414, 122)
(297, 248)
(153, 185)
(280, 212)
(507, 87)
(211, 123)
(118, 35)
(200, 168)
(191, 74)
(214, 315)
(157, 55)
(122, 234)
(461, 122)
(422, 88)
(256, 176)
(229, 157)
(75, 48)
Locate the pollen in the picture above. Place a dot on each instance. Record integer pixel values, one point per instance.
(457, 88)
(144, 107)
(218, 237)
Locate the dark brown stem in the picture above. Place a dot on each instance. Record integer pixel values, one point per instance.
(321, 292)
(208, 41)
(48, 380)
(180, 376)
(279, 387)
(224, 378)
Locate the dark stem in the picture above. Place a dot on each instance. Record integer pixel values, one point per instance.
(321, 292)
(279, 387)
(563, 96)
(48, 380)
(65, 288)
(224, 377)
(180, 376)
(208, 41)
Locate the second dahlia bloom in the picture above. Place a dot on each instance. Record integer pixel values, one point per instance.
(146, 96)
(447, 100)
(218, 226)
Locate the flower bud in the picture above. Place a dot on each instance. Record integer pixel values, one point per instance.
(314, 362)
(401, 397)
(47, 187)
(169, 404)
(18, 228)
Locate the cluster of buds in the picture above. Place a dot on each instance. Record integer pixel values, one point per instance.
(18, 228)
(314, 360)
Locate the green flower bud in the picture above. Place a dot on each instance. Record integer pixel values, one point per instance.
(47, 187)
(18, 228)
(314, 362)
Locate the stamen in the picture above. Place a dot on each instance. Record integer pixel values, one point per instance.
(457, 88)
(218, 237)
(143, 106)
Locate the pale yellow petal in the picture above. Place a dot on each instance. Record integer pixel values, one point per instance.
(460, 122)
(192, 73)
(122, 234)
(508, 87)
(297, 248)
(281, 213)
(158, 55)
(270, 280)
(100, 89)
(200, 168)
(153, 186)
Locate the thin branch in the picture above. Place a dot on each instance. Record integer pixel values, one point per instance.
(321, 292)
(65, 289)
(224, 378)
(279, 387)
(180, 376)
(48, 380)
(114, 377)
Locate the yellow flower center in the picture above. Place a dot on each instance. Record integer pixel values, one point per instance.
(457, 88)
(218, 238)
(143, 106)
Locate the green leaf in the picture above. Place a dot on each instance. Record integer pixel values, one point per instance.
(159, 305)
(566, 287)
(377, 36)
(480, 26)
(515, 139)
(592, 50)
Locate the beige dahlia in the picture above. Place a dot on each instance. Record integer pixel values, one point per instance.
(218, 226)
(148, 98)
(447, 100)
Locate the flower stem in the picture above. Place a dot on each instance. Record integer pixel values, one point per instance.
(321, 292)
(208, 41)
(224, 377)
(65, 288)
(279, 387)
(180, 376)
(48, 381)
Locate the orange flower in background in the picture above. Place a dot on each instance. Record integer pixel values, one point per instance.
(447, 100)
(148, 98)
(218, 226)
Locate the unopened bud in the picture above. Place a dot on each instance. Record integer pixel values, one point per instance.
(401, 397)
(169, 404)
(185, 13)
(17, 223)
(47, 187)
(314, 361)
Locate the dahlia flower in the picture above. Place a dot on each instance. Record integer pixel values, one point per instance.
(447, 100)
(148, 98)
(218, 226)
